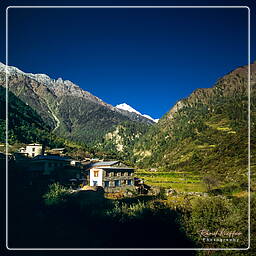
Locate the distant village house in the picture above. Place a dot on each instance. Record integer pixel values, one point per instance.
(112, 174)
(32, 150)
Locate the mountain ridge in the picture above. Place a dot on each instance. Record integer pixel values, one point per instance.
(207, 132)
(70, 111)
(128, 108)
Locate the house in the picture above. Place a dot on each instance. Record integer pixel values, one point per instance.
(56, 169)
(48, 164)
(20, 156)
(111, 175)
(33, 149)
(56, 151)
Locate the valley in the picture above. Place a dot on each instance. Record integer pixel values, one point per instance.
(194, 157)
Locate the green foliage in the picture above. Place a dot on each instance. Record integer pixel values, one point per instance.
(207, 135)
(89, 122)
(124, 212)
(210, 182)
(125, 135)
(56, 195)
(24, 124)
(214, 214)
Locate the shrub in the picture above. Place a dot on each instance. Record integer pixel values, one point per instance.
(57, 194)
(214, 214)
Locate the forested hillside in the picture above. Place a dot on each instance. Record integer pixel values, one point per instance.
(24, 124)
(70, 112)
(207, 132)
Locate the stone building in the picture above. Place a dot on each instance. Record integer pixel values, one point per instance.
(48, 164)
(111, 175)
(33, 150)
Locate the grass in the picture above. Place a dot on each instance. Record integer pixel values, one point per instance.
(179, 181)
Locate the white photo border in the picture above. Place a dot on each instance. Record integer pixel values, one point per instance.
(249, 123)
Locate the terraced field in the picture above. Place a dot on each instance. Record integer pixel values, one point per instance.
(179, 181)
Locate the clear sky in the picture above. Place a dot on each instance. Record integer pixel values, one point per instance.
(147, 58)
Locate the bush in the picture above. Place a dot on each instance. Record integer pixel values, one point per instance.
(57, 194)
(214, 214)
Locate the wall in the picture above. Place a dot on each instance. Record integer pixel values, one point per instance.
(38, 150)
(98, 179)
(119, 177)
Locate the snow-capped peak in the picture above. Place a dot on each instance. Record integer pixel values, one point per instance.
(149, 117)
(127, 107)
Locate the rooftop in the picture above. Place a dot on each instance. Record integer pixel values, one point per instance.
(117, 168)
(109, 163)
(51, 157)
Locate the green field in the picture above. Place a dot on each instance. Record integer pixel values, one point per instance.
(179, 181)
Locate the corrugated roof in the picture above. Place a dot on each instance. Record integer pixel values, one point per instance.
(59, 158)
(117, 168)
(109, 163)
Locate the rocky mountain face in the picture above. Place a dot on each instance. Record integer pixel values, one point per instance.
(206, 132)
(68, 110)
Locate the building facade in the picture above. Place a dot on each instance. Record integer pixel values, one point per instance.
(33, 150)
(111, 175)
(48, 164)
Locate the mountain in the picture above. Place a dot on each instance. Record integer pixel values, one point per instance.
(207, 132)
(126, 108)
(68, 110)
(24, 124)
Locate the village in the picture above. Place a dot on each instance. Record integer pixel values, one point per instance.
(54, 165)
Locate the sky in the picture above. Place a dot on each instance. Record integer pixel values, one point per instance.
(147, 58)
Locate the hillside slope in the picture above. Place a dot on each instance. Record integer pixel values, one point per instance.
(207, 132)
(68, 110)
(24, 124)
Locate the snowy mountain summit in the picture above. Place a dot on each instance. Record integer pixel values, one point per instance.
(128, 108)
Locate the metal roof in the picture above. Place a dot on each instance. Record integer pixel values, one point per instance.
(58, 158)
(117, 168)
(109, 163)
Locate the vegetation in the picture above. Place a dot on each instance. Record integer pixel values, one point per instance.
(201, 145)
(59, 218)
(24, 124)
(57, 194)
(179, 181)
(206, 134)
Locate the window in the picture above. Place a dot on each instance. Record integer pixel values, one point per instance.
(96, 173)
(107, 174)
(106, 184)
(115, 173)
(95, 183)
(122, 173)
(33, 154)
(129, 174)
(129, 182)
(117, 183)
(33, 149)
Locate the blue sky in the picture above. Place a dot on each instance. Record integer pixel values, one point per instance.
(147, 58)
